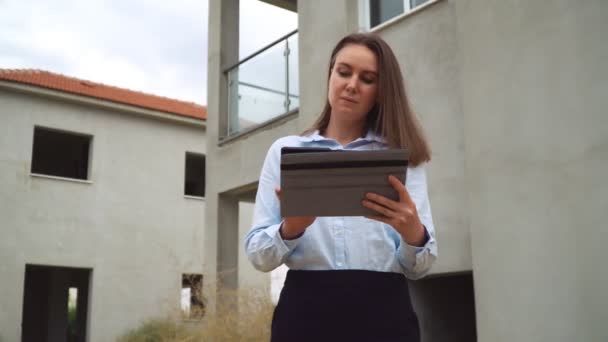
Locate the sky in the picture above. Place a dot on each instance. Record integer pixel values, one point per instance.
(154, 46)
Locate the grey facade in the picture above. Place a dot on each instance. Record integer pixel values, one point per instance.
(512, 97)
(129, 227)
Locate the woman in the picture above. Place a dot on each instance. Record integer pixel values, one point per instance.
(347, 274)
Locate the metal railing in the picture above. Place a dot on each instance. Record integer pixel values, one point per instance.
(263, 86)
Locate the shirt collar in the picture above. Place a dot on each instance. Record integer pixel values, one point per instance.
(372, 136)
(369, 136)
(314, 136)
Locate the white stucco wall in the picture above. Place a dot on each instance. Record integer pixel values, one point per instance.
(131, 224)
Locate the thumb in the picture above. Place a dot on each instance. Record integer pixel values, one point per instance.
(277, 191)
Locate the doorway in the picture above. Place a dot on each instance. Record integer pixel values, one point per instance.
(55, 304)
(445, 305)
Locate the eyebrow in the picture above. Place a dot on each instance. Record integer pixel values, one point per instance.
(350, 66)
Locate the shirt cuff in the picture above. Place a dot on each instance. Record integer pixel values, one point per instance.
(411, 251)
(284, 246)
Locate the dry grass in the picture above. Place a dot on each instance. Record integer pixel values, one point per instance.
(251, 322)
(161, 330)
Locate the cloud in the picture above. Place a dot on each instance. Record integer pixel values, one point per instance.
(154, 46)
(261, 24)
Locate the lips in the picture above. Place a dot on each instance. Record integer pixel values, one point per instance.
(348, 99)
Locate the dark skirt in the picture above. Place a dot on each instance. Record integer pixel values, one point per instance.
(345, 305)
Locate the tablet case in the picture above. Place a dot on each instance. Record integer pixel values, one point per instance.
(325, 182)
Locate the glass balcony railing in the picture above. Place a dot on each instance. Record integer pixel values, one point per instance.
(263, 86)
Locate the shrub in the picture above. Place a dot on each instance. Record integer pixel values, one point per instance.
(250, 323)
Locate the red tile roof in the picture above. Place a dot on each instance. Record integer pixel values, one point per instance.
(72, 85)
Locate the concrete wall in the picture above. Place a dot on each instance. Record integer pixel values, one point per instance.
(534, 82)
(511, 95)
(131, 224)
(426, 45)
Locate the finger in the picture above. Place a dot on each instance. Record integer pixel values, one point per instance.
(404, 196)
(387, 202)
(378, 208)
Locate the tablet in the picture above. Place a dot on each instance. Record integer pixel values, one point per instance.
(325, 182)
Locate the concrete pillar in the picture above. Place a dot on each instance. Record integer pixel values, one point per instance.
(228, 221)
(316, 19)
(534, 82)
(223, 52)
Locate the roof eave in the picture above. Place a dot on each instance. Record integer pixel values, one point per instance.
(107, 104)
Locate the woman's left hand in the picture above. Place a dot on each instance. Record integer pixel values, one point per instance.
(402, 215)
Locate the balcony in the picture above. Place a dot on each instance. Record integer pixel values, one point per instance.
(262, 87)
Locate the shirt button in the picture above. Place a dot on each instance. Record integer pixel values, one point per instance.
(339, 263)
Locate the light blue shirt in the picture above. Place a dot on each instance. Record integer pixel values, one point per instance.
(336, 243)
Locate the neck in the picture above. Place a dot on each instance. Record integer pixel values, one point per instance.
(344, 132)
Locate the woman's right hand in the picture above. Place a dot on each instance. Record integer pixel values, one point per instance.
(293, 226)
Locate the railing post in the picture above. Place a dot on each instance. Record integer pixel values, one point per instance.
(286, 54)
(233, 102)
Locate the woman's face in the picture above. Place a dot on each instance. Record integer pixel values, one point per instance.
(353, 83)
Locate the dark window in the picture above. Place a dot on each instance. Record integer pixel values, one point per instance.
(384, 10)
(195, 175)
(416, 3)
(192, 296)
(59, 153)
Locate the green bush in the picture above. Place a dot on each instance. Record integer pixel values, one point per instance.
(72, 323)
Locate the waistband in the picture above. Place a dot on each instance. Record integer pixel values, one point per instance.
(345, 278)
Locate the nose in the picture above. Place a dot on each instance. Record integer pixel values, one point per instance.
(351, 86)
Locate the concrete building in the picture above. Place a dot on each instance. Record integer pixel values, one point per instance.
(512, 95)
(102, 196)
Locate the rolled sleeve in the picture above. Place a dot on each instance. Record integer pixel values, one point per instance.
(416, 261)
(263, 243)
(267, 250)
(286, 246)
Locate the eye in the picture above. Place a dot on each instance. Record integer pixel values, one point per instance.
(343, 73)
(368, 80)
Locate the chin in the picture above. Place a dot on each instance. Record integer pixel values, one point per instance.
(349, 114)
